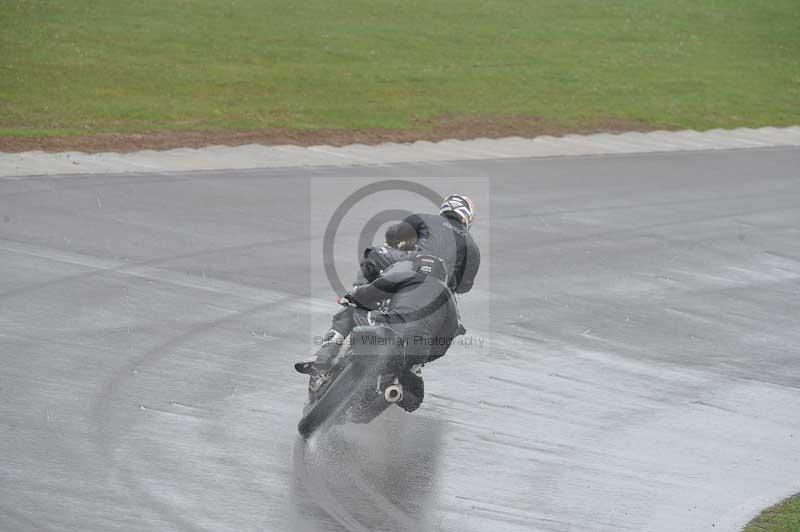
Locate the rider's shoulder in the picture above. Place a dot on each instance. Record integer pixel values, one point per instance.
(456, 228)
(421, 220)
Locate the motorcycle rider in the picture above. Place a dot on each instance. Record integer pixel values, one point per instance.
(413, 298)
(399, 245)
(445, 236)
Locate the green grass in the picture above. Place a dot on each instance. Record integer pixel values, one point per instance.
(77, 67)
(783, 517)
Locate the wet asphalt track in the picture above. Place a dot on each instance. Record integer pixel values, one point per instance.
(641, 369)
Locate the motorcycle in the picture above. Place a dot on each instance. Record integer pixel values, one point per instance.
(368, 375)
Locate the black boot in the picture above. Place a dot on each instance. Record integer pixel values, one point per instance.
(323, 358)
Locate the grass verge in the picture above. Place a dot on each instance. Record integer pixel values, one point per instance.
(783, 517)
(431, 68)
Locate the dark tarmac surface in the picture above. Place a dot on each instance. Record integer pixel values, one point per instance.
(639, 368)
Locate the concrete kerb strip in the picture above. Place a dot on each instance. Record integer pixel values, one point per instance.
(260, 156)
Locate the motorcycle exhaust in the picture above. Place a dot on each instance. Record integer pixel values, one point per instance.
(393, 393)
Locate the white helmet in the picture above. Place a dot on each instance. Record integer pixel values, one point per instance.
(459, 207)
